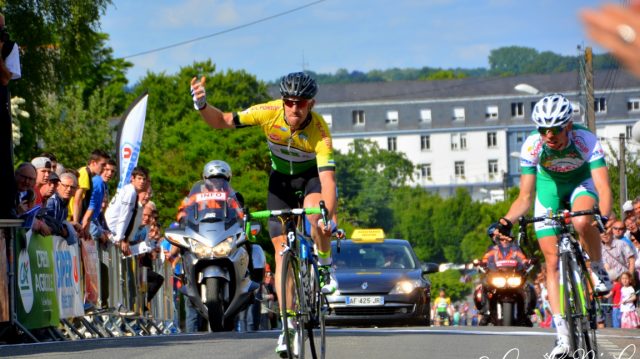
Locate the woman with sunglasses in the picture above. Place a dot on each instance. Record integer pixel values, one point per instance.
(562, 163)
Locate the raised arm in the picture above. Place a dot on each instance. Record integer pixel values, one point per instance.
(211, 115)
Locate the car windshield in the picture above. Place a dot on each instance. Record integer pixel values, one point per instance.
(374, 256)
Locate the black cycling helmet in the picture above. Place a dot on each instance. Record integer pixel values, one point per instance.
(298, 84)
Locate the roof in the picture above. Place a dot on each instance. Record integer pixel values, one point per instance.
(470, 87)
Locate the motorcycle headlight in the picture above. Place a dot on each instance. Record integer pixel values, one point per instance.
(514, 282)
(405, 287)
(222, 249)
(498, 282)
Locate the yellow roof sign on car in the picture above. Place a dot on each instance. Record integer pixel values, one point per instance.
(368, 235)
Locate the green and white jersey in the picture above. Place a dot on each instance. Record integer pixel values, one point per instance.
(570, 165)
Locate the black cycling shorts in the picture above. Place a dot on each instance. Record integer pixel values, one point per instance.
(283, 191)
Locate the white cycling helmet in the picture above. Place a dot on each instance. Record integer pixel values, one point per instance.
(552, 110)
(217, 169)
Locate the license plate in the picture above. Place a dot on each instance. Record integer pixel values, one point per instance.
(364, 300)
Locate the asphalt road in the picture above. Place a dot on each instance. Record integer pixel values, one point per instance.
(351, 343)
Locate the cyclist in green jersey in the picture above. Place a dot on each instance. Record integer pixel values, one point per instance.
(562, 162)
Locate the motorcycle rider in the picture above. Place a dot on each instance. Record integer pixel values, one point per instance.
(504, 249)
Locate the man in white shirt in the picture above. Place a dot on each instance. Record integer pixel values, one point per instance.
(120, 213)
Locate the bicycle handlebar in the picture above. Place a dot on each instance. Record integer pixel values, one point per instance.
(562, 218)
(284, 212)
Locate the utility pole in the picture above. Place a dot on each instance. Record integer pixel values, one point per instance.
(622, 168)
(588, 73)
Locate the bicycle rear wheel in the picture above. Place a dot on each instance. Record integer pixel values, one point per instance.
(317, 311)
(293, 312)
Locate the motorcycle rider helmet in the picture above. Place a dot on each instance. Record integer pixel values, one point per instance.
(217, 169)
(298, 84)
(551, 111)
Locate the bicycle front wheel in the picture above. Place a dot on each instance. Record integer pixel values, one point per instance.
(317, 312)
(293, 312)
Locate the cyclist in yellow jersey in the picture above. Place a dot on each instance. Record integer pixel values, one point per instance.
(442, 309)
(301, 158)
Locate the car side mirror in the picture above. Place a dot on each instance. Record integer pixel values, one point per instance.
(430, 268)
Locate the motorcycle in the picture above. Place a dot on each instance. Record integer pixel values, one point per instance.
(221, 269)
(507, 292)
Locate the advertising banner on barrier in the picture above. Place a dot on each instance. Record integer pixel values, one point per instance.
(37, 304)
(90, 261)
(67, 264)
(4, 280)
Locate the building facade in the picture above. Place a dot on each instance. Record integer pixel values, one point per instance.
(468, 132)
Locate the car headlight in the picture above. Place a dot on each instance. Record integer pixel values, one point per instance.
(222, 249)
(514, 282)
(405, 287)
(498, 282)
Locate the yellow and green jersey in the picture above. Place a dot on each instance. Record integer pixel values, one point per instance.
(291, 153)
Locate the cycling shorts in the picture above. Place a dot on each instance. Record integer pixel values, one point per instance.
(283, 193)
(555, 196)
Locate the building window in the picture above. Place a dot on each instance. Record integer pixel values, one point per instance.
(425, 170)
(425, 115)
(358, 117)
(492, 113)
(493, 167)
(425, 143)
(517, 109)
(600, 105)
(458, 114)
(392, 117)
(520, 136)
(576, 107)
(459, 168)
(628, 131)
(492, 140)
(458, 141)
(633, 104)
(392, 144)
(328, 119)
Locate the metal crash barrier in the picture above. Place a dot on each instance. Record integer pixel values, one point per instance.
(55, 290)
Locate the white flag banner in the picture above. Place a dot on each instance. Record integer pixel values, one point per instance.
(130, 138)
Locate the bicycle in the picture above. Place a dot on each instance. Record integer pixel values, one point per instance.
(300, 281)
(578, 303)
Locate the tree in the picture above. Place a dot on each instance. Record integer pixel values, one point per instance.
(453, 284)
(60, 45)
(366, 176)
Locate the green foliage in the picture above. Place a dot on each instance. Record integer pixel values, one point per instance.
(451, 282)
(60, 48)
(366, 176)
(72, 127)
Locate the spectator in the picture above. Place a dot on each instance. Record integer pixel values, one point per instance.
(43, 168)
(91, 219)
(85, 185)
(633, 230)
(49, 188)
(57, 207)
(627, 209)
(617, 256)
(614, 298)
(636, 207)
(149, 231)
(25, 176)
(9, 70)
(618, 230)
(269, 308)
(627, 301)
(53, 159)
(123, 208)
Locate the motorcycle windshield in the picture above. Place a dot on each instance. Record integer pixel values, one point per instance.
(212, 200)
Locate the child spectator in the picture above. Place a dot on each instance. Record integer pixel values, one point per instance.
(627, 306)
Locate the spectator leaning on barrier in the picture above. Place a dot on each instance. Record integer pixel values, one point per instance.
(53, 159)
(43, 169)
(150, 231)
(57, 208)
(25, 176)
(91, 218)
(82, 197)
(123, 207)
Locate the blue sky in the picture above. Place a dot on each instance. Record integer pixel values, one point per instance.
(333, 34)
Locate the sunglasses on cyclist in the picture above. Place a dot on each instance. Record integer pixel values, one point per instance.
(298, 102)
(554, 130)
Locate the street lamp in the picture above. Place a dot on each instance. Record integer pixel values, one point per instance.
(526, 88)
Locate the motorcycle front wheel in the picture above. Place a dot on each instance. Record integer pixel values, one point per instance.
(215, 303)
